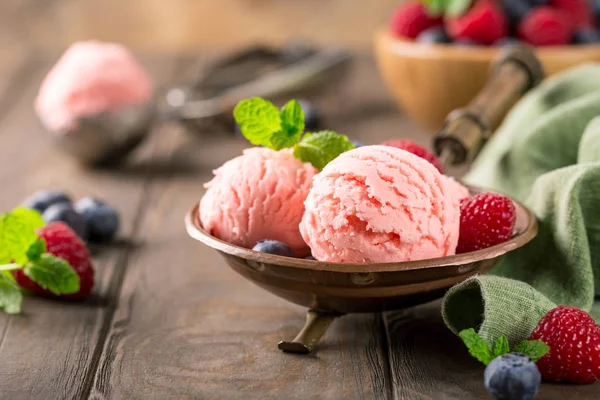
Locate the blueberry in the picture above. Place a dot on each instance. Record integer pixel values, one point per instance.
(43, 199)
(310, 258)
(516, 10)
(312, 116)
(512, 376)
(466, 42)
(64, 212)
(273, 247)
(357, 143)
(586, 36)
(596, 8)
(101, 219)
(433, 35)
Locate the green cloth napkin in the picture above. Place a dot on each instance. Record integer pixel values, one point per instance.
(546, 154)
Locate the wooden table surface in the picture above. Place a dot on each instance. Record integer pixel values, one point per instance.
(168, 319)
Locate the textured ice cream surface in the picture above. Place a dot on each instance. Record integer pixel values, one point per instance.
(258, 195)
(456, 189)
(378, 204)
(90, 77)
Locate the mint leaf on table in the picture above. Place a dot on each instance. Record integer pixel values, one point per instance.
(259, 120)
(11, 297)
(501, 347)
(321, 147)
(53, 273)
(17, 234)
(292, 126)
(534, 349)
(477, 347)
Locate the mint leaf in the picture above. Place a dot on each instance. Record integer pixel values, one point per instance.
(11, 297)
(435, 8)
(258, 119)
(534, 349)
(455, 8)
(292, 126)
(36, 250)
(321, 147)
(477, 347)
(53, 273)
(17, 234)
(501, 347)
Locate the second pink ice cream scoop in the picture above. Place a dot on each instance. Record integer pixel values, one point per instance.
(378, 204)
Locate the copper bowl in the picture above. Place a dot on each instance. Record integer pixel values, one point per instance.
(428, 81)
(333, 289)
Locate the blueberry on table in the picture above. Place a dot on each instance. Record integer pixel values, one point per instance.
(512, 376)
(310, 258)
(586, 36)
(101, 219)
(64, 212)
(433, 35)
(273, 247)
(312, 116)
(43, 199)
(357, 143)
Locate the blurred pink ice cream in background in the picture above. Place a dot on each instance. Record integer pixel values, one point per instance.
(378, 204)
(258, 195)
(89, 78)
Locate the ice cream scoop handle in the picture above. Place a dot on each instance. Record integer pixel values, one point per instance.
(513, 73)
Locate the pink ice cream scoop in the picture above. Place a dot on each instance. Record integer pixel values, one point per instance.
(89, 78)
(258, 195)
(378, 204)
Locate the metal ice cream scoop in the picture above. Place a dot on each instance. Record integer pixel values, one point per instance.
(110, 136)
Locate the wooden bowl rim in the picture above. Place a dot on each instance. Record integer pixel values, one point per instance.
(195, 230)
(408, 47)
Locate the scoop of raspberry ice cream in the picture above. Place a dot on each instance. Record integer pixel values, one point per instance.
(258, 195)
(91, 77)
(378, 204)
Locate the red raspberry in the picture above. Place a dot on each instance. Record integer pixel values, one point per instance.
(546, 26)
(417, 150)
(411, 18)
(62, 242)
(484, 23)
(574, 341)
(578, 12)
(486, 219)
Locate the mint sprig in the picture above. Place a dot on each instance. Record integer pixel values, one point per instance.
(264, 125)
(321, 147)
(478, 348)
(22, 249)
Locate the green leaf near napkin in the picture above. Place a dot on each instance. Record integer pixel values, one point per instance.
(547, 154)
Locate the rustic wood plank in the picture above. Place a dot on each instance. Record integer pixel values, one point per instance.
(47, 352)
(188, 327)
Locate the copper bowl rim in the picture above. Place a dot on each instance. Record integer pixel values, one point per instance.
(409, 47)
(195, 230)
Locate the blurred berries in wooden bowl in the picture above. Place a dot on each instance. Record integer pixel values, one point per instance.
(434, 55)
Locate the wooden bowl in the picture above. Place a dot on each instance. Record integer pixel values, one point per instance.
(429, 81)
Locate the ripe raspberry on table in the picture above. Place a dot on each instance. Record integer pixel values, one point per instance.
(574, 341)
(486, 219)
(62, 242)
(415, 149)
